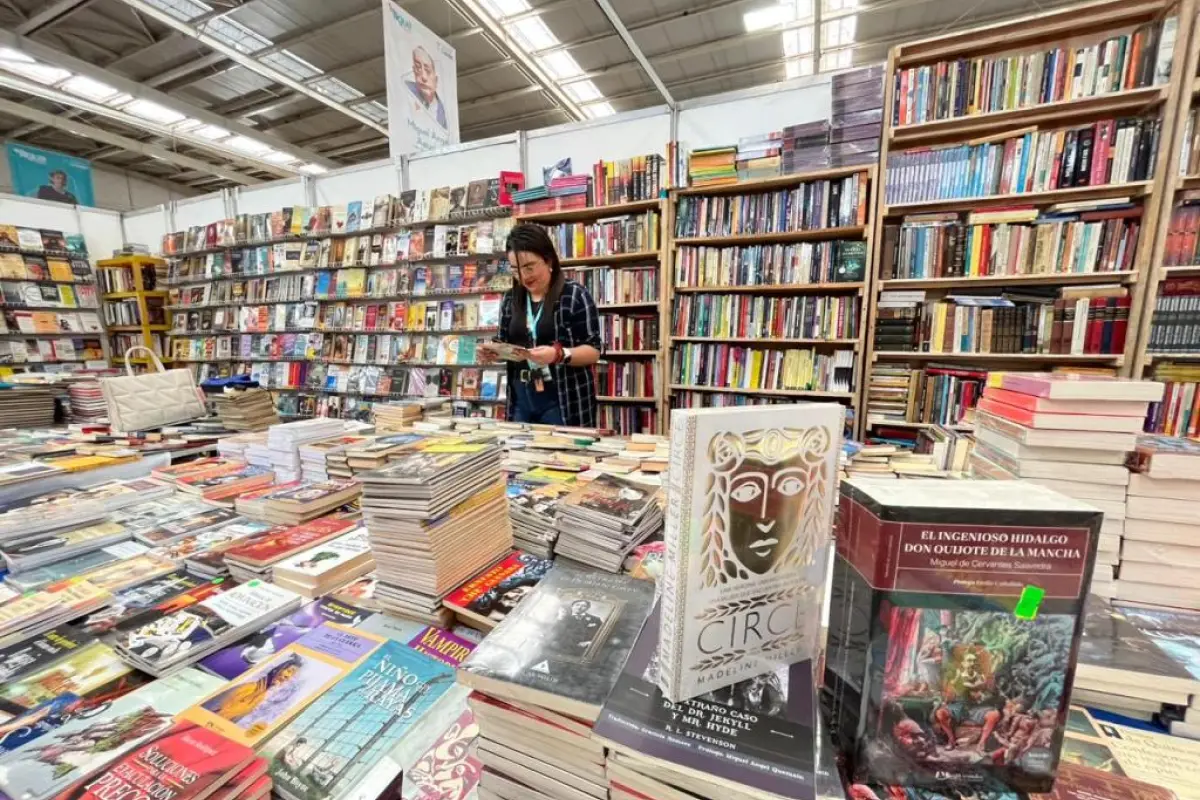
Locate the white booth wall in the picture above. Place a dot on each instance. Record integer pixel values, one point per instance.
(101, 229)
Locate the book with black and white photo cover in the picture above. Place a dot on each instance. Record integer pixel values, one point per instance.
(563, 647)
(752, 493)
(326, 566)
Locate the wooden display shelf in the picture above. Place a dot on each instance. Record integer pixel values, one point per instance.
(809, 235)
(774, 288)
(1166, 356)
(1042, 358)
(616, 258)
(629, 353)
(764, 341)
(614, 399)
(1187, 182)
(616, 307)
(778, 182)
(964, 427)
(1133, 189)
(682, 387)
(1115, 103)
(1008, 280)
(1181, 271)
(591, 212)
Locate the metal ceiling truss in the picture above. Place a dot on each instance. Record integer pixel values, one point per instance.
(55, 12)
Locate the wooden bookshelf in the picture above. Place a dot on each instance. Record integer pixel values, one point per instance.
(148, 331)
(1077, 26)
(1185, 86)
(857, 289)
(655, 308)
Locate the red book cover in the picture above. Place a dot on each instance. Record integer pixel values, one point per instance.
(246, 784)
(1095, 325)
(1005, 411)
(185, 762)
(270, 549)
(1121, 324)
(510, 182)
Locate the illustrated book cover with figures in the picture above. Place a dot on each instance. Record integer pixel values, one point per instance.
(485, 600)
(37, 653)
(351, 741)
(48, 765)
(749, 518)
(1115, 651)
(954, 628)
(255, 705)
(758, 733)
(448, 770)
(139, 598)
(563, 647)
(185, 762)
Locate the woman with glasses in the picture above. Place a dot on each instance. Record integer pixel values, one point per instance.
(556, 320)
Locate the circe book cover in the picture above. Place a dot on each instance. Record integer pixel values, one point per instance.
(759, 733)
(259, 702)
(50, 764)
(185, 762)
(563, 647)
(956, 613)
(747, 536)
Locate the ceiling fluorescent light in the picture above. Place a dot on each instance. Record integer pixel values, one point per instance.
(279, 157)
(154, 112)
(211, 132)
(17, 62)
(313, 169)
(533, 33)
(597, 110)
(244, 144)
(761, 19)
(91, 89)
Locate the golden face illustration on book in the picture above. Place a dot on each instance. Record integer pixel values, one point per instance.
(766, 501)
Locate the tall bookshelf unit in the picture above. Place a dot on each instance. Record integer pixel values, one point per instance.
(141, 295)
(913, 142)
(334, 297)
(743, 232)
(634, 298)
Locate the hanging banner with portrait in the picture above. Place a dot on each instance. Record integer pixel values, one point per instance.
(422, 84)
(50, 175)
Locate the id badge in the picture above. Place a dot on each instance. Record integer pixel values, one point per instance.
(539, 385)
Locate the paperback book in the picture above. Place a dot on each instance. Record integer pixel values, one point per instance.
(41, 651)
(326, 566)
(83, 671)
(137, 599)
(484, 601)
(747, 542)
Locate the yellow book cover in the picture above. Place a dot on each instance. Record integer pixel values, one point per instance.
(939, 328)
(44, 322)
(12, 266)
(66, 297)
(976, 249)
(546, 473)
(300, 215)
(756, 368)
(60, 270)
(259, 702)
(356, 282)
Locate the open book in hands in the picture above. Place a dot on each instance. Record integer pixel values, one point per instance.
(507, 352)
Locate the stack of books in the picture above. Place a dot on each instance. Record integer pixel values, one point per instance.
(805, 147)
(314, 456)
(437, 516)
(856, 123)
(486, 599)
(216, 766)
(321, 569)
(390, 417)
(217, 482)
(128, 603)
(601, 521)
(285, 439)
(87, 402)
(24, 617)
(541, 677)
(249, 410)
(713, 166)
(255, 559)
(759, 156)
(204, 552)
(26, 406)
(172, 641)
(73, 507)
(1161, 550)
(532, 509)
(40, 549)
(1070, 433)
(300, 501)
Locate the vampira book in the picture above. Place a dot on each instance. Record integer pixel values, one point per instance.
(747, 537)
(956, 615)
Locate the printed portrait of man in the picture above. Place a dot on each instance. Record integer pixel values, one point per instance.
(424, 87)
(56, 189)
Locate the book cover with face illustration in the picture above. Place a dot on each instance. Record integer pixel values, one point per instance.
(748, 529)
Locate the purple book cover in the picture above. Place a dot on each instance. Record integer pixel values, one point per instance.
(232, 661)
(442, 645)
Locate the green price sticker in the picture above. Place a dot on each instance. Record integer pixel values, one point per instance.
(1029, 602)
(252, 584)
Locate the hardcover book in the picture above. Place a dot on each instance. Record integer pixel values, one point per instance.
(234, 660)
(48, 765)
(747, 537)
(254, 705)
(955, 623)
(759, 733)
(563, 647)
(351, 740)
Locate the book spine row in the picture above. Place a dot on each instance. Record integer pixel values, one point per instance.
(965, 87)
(375, 381)
(734, 367)
(1107, 152)
(626, 379)
(1175, 324)
(38, 295)
(16, 267)
(771, 265)
(336, 406)
(1179, 412)
(1183, 237)
(608, 286)
(633, 234)
(810, 206)
(626, 420)
(1074, 326)
(627, 332)
(37, 351)
(941, 396)
(627, 180)
(747, 316)
(123, 341)
(356, 348)
(122, 312)
(1045, 247)
(122, 279)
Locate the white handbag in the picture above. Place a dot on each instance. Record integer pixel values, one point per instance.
(152, 399)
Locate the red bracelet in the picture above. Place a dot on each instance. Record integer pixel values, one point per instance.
(558, 352)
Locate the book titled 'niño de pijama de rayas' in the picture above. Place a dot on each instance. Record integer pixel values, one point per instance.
(747, 535)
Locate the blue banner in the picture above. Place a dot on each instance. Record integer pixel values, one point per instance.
(49, 175)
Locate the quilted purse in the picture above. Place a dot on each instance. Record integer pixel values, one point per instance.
(152, 399)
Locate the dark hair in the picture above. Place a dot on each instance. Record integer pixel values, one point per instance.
(530, 238)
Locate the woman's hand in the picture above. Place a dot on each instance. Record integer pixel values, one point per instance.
(485, 353)
(543, 355)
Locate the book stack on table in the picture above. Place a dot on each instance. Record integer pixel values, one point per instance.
(314, 456)
(249, 410)
(1070, 433)
(255, 558)
(1161, 550)
(327, 566)
(533, 509)
(284, 440)
(600, 522)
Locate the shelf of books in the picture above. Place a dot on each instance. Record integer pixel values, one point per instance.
(48, 304)
(1021, 162)
(611, 231)
(1168, 338)
(134, 306)
(768, 287)
(337, 307)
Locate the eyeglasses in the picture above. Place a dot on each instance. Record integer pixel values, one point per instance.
(527, 269)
